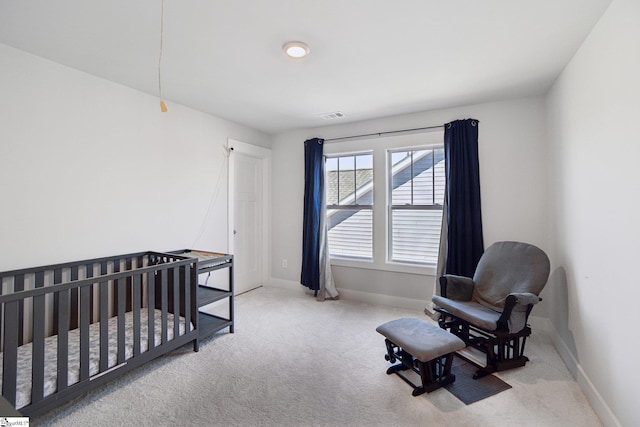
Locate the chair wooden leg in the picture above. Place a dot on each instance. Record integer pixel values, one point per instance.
(503, 351)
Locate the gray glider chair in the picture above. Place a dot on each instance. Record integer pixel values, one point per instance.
(490, 311)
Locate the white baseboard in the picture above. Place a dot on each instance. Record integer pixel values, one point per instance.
(588, 388)
(381, 299)
(368, 297)
(539, 324)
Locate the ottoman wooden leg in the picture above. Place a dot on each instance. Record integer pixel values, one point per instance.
(430, 353)
(435, 373)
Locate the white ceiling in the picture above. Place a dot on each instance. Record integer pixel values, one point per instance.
(369, 58)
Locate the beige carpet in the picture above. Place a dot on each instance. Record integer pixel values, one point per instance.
(297, 362)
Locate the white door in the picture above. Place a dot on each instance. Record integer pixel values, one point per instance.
(247, 239)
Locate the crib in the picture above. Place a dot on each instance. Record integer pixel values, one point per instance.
(68, 328)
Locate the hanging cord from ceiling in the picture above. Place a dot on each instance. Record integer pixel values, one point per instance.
(216, 192)
(163, 106)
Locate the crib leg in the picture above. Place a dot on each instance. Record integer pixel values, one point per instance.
(196, 346)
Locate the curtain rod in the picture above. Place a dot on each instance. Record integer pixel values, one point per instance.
(382, 133)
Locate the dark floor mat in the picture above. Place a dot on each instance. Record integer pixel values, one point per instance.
(469, 390)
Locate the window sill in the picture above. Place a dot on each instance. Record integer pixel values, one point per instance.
(426, 270)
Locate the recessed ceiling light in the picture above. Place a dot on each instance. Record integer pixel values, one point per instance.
(296, 49)
(332, 115)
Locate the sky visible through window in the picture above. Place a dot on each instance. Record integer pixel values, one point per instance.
(360, 161)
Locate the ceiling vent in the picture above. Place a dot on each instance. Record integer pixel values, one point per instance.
(332, 116)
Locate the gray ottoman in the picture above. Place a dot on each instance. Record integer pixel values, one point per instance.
(423, 348)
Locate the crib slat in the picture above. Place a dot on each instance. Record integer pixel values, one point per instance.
(128, 267)
(121, 318)
(18, 285)
(63, 338)
(89, 274)
(39, 278)
(116, 291)
(164, 304)
(10, 353)
(118, 295)
(176, 302)
(37, 359)
(136, 313)
(37, 336)
(187, 298)
(57, 278)
(73, 308)
(151, 303)
(84, 332)
(140, 264)
(104, 317)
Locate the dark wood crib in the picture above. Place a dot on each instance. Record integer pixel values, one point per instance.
(68, 328)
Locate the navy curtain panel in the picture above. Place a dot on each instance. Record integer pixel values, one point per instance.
(313, 188)
(464, 233)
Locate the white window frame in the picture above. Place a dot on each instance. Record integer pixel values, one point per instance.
(354, 206)
(407, 206)
(379, 145)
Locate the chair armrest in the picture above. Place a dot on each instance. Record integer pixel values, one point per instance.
(454, 287)
(524, 298)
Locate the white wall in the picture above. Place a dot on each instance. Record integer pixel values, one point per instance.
(90, 168)
(593, 111)
(513, 175)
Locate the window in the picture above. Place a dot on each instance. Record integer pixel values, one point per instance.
(349, 192)
(416, 194)
(384, 198)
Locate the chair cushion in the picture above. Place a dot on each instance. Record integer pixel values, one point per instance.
(421, 339)
(509, 267)
(471, 311)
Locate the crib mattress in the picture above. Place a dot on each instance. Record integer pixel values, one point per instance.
(23, 392)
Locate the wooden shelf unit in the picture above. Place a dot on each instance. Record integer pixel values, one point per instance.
(209, 324)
